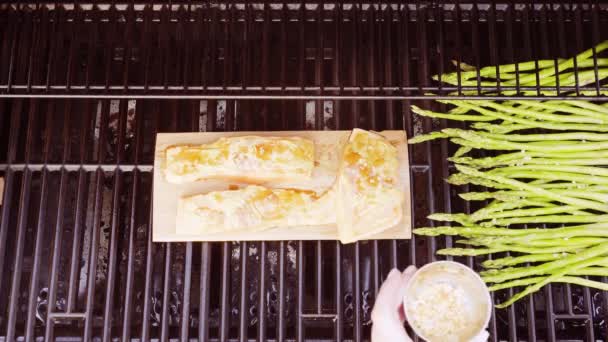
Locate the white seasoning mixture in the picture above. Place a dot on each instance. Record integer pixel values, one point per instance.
(440, 311)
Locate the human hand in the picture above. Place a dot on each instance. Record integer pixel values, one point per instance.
(388, 315)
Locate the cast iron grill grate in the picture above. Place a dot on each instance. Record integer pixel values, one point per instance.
(84, 89)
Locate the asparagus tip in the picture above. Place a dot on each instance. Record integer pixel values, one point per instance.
(502, 305)
(427, 231)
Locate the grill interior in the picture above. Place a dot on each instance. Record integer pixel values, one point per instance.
(84, 89)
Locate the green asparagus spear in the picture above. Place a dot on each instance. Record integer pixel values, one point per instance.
(584, 136)
(484, 215)
(564, 107)
(488, 115)
(462, 151)
(575, 178)
(507, 248)
(472, 230)
(452, 78)
(534, 189)
(582, 256)
(564, 65)
(587, 170)
(549, 146)
(544, 219)
(490, 162)
(581, 104)
(492, 241)
(591, 116)
(563, 279)
(558, 274)
(499, 129)
(522, 259)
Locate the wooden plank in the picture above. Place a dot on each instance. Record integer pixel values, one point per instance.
(328, 147)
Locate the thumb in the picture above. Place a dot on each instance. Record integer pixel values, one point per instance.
(405, 279)
(387, 315)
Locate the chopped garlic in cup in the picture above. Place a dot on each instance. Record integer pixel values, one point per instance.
(448, 313)
(447, 301)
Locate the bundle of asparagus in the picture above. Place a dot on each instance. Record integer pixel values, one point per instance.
(556, 177)
(541, 73)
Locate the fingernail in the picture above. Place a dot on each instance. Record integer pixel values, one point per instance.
(410, 270)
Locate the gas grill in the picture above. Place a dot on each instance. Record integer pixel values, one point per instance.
(84, 88)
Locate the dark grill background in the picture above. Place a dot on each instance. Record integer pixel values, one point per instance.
(84, 89)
